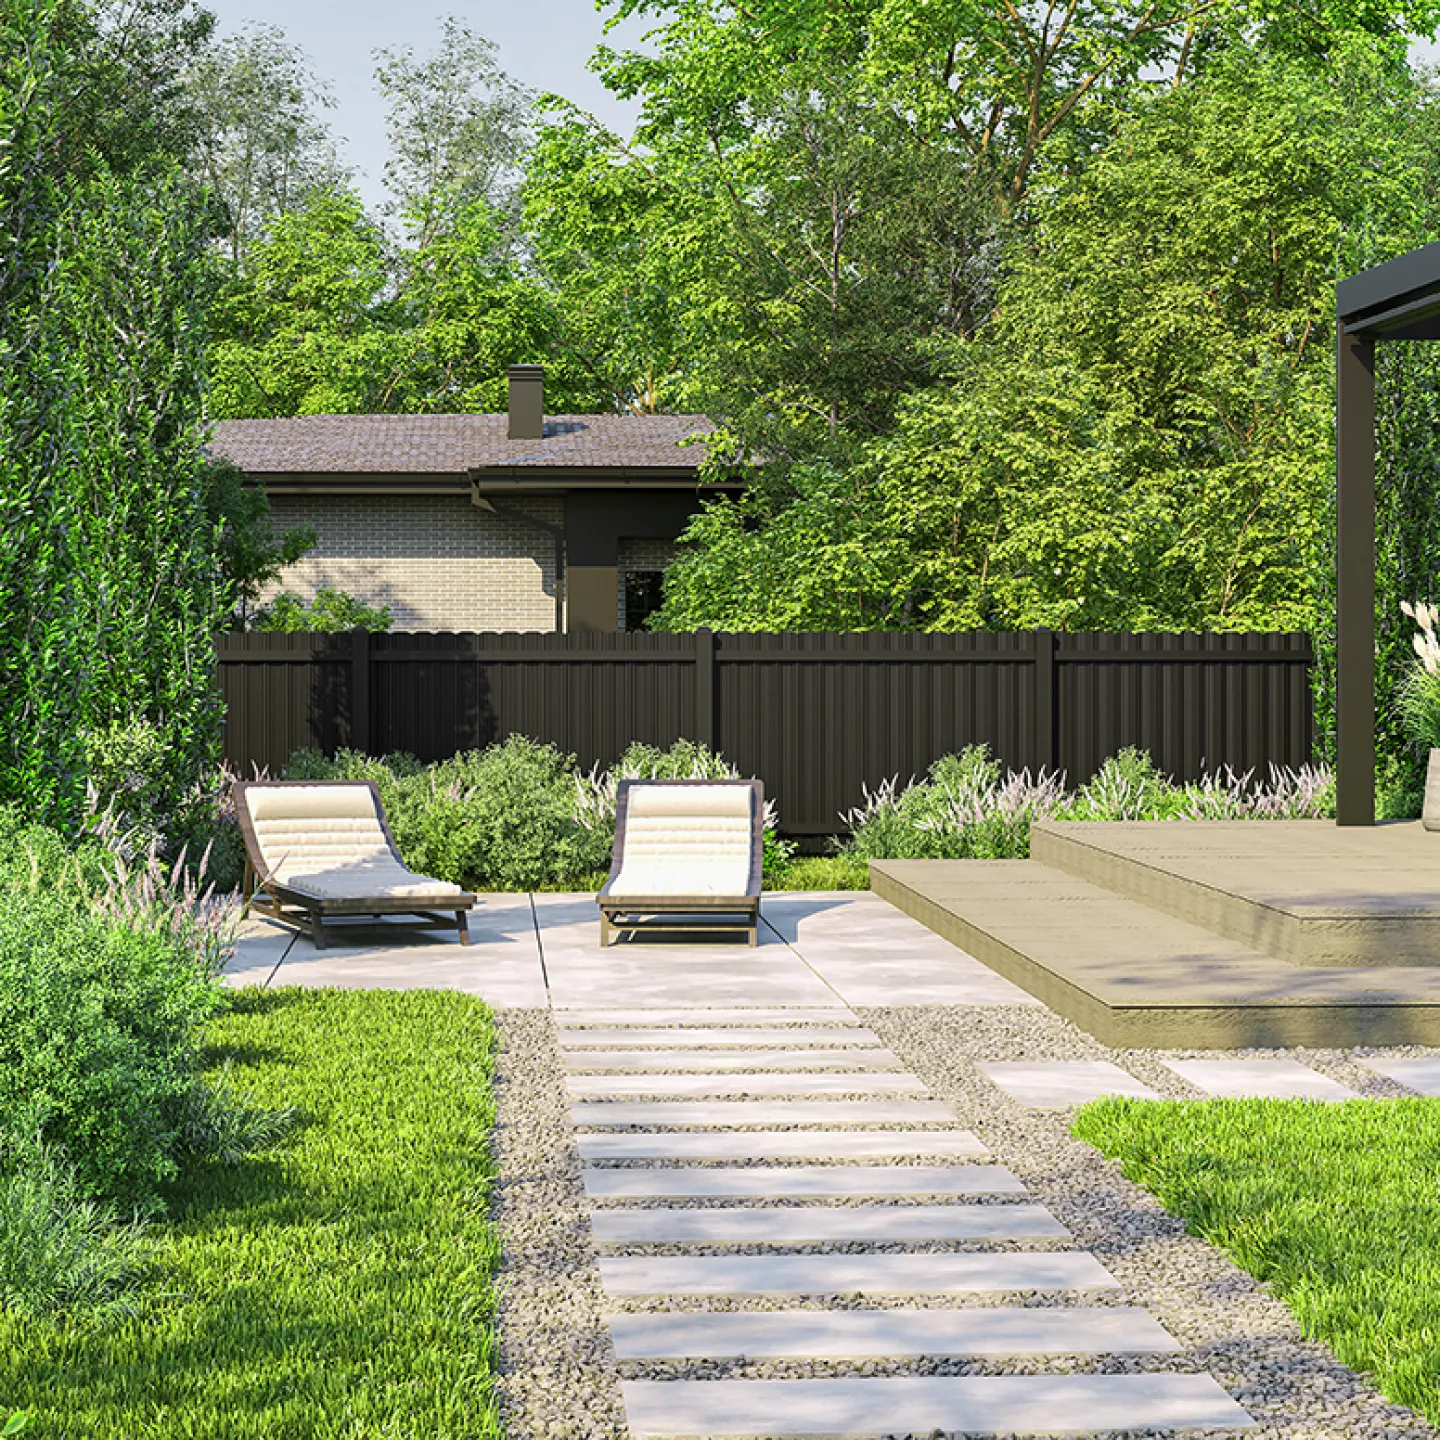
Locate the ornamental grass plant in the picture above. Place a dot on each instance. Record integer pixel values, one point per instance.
(1418, 700)
(966, 808)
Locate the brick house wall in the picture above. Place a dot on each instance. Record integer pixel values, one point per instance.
(438, 561)
(637, 554)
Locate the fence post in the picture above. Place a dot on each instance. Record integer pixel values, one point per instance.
(360, 690)
(705, 688)
(1047, 716)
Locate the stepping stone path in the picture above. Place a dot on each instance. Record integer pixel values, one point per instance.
(861, 1176)
(1054, 1084)
(1244, 1079)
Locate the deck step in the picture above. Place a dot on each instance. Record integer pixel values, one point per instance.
(1134, 976)
(1298, 890)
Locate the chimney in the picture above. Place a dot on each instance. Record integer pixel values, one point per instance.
(527, 402)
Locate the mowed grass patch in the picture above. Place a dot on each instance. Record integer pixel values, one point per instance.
(339, 1285)
(1335, 1206)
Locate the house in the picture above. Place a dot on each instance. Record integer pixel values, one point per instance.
(519, 521)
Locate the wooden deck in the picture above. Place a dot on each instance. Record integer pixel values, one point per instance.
(1204, 934)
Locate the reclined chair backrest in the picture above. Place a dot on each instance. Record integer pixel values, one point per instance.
(316, 825)
(688, 837)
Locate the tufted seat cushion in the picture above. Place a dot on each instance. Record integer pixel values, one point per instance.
(686, 840)
(327, 841)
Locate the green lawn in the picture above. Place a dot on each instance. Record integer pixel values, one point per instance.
(339, 1285)
(1337, 1207)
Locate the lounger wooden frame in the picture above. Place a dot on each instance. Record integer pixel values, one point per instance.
(307, 913)
(650, 912)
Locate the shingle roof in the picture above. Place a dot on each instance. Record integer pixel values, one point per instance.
(454, 444)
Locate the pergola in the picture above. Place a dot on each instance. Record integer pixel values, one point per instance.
(1399, 300)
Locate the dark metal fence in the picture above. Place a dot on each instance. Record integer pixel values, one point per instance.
(815, 716)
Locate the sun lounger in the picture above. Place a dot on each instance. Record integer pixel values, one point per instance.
(687, 857)
(317, 849)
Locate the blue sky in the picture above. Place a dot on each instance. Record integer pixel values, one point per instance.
(543, 44)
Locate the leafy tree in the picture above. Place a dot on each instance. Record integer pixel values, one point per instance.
(1141, 438)
(302, 331)
(262, 148)
(251, 554)
(457, 128)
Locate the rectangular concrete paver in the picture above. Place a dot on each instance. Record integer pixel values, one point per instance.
(807, 1225)
(944, 1274)
(814, 1181)
(761, 1112)
(1054, 1084)
(873, 1334)
(715, 1060)
(738, 1036)
(779, 1145)
(1277, 1078)
(706, 1015)
(874, 1082)
(920, 1405)
(1421, 1075)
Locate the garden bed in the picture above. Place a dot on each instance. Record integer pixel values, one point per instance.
(338, 1284)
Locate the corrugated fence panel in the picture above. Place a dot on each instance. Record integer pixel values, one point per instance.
(818, 717)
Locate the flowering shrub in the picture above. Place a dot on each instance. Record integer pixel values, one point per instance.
(965, 809)
(1419, 698)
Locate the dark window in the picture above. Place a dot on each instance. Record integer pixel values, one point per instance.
(642, 596)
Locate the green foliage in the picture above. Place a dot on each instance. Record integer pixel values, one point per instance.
(109, 592)
(99, 1026)
(964, 809)
(1274, 1183)
(60, 1251)
(251, 553)
(368, 1234)
(821, 872)
(503, 818)
(329, 610)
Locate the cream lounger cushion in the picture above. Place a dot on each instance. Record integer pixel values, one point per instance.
(685, 840)
(327, 841)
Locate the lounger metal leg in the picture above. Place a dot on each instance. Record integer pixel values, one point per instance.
(604, 929)
(462, 924)
(317, 929)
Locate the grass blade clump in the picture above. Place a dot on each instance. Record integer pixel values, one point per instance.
(1335, 1206)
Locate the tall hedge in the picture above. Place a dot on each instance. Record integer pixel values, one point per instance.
(109, 590)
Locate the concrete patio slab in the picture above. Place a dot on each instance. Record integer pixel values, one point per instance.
(1243, 1079)
(722, 1060)
(501, 964)
(921, 1405)
(1054, 1084)
(666, 969)
(865, 1083)
(807, 1225)
(736, 1036)
(823, 1182)
(779, 1145)
(1421, 1076)
(873, 1334)
(259, 949)
(898, 1274)
(593, 1113)
(704, 1015)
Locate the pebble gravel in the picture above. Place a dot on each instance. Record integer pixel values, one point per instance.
(558, 1376)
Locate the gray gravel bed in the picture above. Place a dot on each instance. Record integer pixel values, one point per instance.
(558, 1376)
(556, 1372)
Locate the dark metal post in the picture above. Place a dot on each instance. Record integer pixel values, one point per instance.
(1354, 579)
(705, 688)
(360, 690)
(1046, 716)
